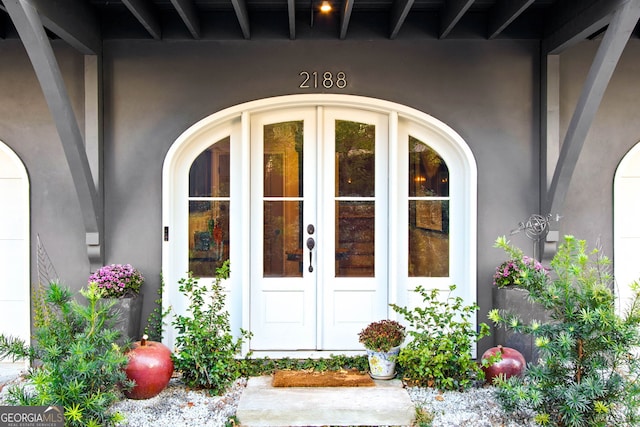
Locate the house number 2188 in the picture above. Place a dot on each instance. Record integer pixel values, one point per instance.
(327, 80)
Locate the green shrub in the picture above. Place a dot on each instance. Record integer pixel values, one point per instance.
(265, 366)
(156, 319)
(80, 367)
(443, 334)
(588, 369)
(205, 347)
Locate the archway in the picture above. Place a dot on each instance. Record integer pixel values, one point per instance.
(225, 210)
(14, 246)
(626, 233)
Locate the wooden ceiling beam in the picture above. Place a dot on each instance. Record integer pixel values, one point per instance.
(572, 21)
(453, 11)
(504, 13)
(187, 11)
(146, 15)
(240, 7)
(345, 18)
(74, 21)
(291, 9)
(399, 12)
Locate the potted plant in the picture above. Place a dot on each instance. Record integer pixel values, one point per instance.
(121, 283)
(517, 271)
(589, 371)
(513, 279)
(382, 341)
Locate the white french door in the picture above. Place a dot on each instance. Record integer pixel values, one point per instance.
(319, 204)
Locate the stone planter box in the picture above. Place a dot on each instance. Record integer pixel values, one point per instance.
(516, 301)
(128, 312)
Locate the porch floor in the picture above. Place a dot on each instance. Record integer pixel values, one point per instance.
(386, 404)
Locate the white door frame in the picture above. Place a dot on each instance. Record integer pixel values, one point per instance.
(14, 226)
(235, 122)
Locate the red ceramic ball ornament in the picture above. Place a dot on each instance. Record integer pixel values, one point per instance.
(512, 363)
(150, 366)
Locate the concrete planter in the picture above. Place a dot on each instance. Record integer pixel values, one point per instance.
(127, 317)
(516, 301)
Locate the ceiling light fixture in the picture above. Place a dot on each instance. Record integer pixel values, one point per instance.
(325, 7)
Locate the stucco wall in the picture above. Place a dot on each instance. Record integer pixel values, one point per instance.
(487, 91)
(588, 209)
(27, 128)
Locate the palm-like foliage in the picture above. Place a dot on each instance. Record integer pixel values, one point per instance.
(588, 370)
(78, 365)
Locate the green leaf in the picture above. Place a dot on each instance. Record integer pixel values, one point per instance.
(73, 413)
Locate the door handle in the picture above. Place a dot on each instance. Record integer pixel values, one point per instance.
(311, 243)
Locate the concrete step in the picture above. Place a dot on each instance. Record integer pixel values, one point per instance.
(386, 404)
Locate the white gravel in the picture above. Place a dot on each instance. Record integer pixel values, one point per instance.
(473, 408)
(177, 406)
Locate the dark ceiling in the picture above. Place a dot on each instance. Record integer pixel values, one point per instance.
(85, 23)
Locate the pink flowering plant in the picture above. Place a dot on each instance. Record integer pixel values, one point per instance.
(118, 280)
(382, 336)
(519, 270)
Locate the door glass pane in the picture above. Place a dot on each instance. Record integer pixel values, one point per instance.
(283, 183)
(428, 212)
(282, 255)
(428, 173)
(355, 237)
(283, 159)
(355, 159)
(209, 179)
(208, 236)
(355, 209)
(209, 174)
(428, 238)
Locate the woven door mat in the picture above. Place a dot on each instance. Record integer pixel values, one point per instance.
(344, 378)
